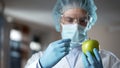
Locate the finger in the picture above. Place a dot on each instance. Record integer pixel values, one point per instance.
(60, 47)
(97, 55)
(62, 41)
(65, 49)
(66, 40)
(67, 44)
(64, 53)
(85, 60)
(90, 58)
(64, 45)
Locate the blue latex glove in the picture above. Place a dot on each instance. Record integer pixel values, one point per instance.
(90, 61)
(54, 53)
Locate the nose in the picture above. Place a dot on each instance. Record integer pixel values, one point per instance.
(76, 21)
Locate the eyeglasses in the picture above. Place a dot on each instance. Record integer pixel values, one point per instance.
(70, 20)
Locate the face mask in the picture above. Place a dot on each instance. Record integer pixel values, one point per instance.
(75, 32)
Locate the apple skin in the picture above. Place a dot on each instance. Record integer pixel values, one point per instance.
(89, 45)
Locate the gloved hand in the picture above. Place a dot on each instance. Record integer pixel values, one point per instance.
(54, 53)
(90, 61)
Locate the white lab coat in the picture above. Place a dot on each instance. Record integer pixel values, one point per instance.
(109, 61)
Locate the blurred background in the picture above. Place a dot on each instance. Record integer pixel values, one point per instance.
(26, 27)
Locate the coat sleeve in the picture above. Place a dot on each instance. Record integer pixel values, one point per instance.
(116, 64)
(116, 61)
(33, 62)
(109, 59)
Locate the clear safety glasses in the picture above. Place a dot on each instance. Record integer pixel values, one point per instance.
(70, 20)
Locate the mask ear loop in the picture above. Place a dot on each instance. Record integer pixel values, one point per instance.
(88, 22)
(88, 26)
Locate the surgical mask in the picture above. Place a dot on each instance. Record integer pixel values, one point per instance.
(75, 32)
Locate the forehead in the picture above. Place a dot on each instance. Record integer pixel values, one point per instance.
(75, 12)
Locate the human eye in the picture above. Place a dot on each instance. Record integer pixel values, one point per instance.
(69, 19)
(83, 22)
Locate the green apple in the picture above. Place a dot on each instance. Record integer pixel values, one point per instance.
(89, 45)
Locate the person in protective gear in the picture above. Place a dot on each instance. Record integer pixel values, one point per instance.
(73, 19)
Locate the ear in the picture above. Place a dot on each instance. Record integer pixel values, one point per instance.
(61, 22)
(61, 19)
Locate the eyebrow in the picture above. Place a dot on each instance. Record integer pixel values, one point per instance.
(74, 18)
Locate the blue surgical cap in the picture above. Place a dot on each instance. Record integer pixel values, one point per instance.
(62, 5)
